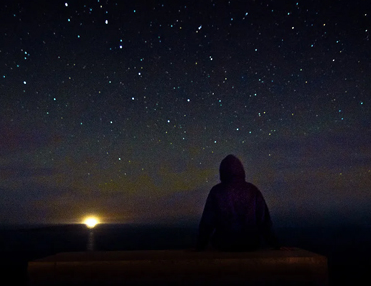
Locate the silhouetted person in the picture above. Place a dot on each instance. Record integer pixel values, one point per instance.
(235, 216)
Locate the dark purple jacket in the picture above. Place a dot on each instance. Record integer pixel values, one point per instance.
(235, 215)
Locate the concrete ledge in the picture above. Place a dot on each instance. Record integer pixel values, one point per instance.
(180, 267)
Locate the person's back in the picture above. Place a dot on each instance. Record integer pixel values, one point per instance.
(235, 212)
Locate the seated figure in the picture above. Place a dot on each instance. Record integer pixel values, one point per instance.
(235, 217)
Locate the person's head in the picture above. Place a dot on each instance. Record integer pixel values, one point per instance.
(231, 169)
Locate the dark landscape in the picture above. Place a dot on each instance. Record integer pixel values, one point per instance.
(347, 248)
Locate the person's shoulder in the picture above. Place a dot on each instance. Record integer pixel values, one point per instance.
(217, 188)
(252, 187)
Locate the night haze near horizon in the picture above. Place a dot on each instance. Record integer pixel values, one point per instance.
(125, 109)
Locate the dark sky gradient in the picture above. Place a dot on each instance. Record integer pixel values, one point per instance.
(124, 109)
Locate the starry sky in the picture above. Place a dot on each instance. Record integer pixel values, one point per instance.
(124, 109)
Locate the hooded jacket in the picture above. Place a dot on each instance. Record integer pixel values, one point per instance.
(235, 214)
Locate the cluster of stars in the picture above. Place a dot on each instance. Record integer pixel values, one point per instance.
(227, 73)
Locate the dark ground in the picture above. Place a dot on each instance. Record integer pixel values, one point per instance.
(348, 249)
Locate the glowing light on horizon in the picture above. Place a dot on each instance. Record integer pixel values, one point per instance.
(91, 222)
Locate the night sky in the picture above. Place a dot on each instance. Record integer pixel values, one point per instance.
(124, 109)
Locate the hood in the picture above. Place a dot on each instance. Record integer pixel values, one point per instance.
(231, 169)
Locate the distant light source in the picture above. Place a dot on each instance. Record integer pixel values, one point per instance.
(91, 222)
